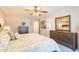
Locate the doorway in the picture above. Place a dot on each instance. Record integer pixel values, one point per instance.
(36, 27)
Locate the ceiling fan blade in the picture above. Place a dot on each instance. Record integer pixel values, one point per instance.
(28, 10)
(44, 11)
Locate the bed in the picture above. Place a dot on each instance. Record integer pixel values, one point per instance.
(31, 42)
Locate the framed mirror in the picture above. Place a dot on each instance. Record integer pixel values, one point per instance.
(62, 23)
(43, 24)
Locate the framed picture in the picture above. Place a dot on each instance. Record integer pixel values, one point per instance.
(62, 23)
(43, 24)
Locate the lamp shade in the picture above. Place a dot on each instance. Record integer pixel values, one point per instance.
(1, 21)
(7, 28)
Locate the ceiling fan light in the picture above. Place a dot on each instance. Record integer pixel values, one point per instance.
(36, 13)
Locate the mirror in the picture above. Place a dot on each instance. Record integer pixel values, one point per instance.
(62, 23)
(43, 24)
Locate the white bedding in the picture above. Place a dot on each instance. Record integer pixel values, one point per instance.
(4, 40)
(32, 43)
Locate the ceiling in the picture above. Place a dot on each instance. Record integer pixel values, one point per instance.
(19, 10)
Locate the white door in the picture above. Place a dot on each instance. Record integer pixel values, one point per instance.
(36, 27)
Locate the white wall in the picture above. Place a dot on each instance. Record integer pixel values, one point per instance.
(15, 20)
(2, 15)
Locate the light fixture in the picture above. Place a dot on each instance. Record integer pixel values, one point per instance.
(36, 11)
(7, 28)
(1, 21)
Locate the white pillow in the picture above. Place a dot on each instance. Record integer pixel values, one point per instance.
(17, 35)
(4, 40)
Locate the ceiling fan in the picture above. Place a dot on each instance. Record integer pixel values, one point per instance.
(36, 11)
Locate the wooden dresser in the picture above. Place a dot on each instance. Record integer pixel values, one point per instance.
(67, 39)
(23, 29)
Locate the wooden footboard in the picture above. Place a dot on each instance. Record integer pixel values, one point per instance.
(67, 39)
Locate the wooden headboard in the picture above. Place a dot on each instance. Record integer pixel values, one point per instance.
(65, 38)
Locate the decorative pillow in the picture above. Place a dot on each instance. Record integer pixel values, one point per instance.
(12, 36)
(4, 40)
(17, 35)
